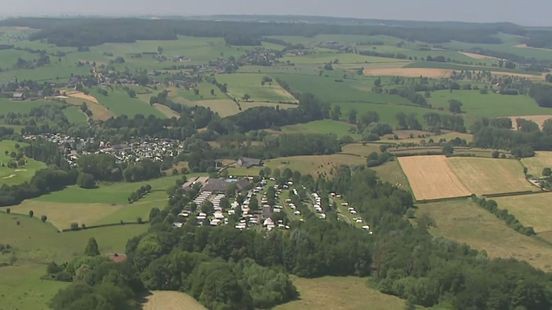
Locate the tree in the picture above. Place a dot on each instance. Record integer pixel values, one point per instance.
(44, 218)
(92, 248)
(448, 149)
(546, 172)
(246, 97)
(352, 116)
(455, 106)
(336, 112)
(31, 213)
(86, 180)
(254, 204)
(207, 207)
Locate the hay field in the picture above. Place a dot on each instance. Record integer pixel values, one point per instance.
(167, 300)
(431, 177)
(530, 210)
(409, 72)
(490, 176)
(168, 112)
(540, 161)
(464, 222)
(340, 293)
(99, 112)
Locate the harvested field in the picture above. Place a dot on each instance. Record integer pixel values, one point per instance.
(168, 112)
(531, 210)
(478, 56)
(431, 177)
(465, 222)
(483, 176)
(99, 111)
(539, 119)
(167, 300)
(341, 293)
(409, 72)
(536, 164)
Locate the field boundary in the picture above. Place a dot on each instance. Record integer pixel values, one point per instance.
(102, 225)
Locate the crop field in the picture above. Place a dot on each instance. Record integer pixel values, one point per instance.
(476, 105)
(164, 300)
(168, 112)
(433, 73)
(464, 222)
(340, 129)
(316, 165)
(536, 164)
(241, 84)
(120, 103)
(490, 176)
(99, 111)
(431, 177)
(12, 176)
(530, 210)
(345, 293)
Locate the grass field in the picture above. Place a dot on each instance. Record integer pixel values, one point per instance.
(99, 111)
(391, 172)
(18, 175)
(23, 107)
(119, 102)
(490, 176)
(345, 293)
(106, 204)
(240, 84)
(166, 300)
(536, 164)
(530, 210)
(327, 126)
(464, 222)
(168, 112)
(22, 288)
(490, 105)
(431, 177)
(75, 115)
(315, 165)
(360, 149)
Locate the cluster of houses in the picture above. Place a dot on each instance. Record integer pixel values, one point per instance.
(155, 149)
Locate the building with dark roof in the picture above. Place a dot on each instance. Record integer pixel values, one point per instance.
(247, 162)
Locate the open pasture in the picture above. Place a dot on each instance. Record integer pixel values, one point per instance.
(531, 210)
(483, 176)
(120, 103)
(475, 105)
(434, 73)
(344, 293)
(23, 107)
(431, 177)
(241, 84)
(340, 129)
(21, 174)
(465, 222)
(536, 164)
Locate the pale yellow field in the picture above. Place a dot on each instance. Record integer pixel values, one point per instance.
(539, 119)
(99, 111)
(409, 72)
(431, 177)
(168, 300)
(62, 215)
(536, 164)
(464, 222)
(168, 112)
(531, 210)
(340, 293)
(477, 56)
(490, 176)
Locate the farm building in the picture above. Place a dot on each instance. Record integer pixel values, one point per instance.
(246, 162)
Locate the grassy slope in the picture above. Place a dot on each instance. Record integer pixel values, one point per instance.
(530, 210)
(463, 221)
(120, 103)
(20, 175)
(536, 164)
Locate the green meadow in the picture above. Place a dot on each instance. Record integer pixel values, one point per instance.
(120, 103)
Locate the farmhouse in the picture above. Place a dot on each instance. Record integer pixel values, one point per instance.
(247, 162)
(18, 96)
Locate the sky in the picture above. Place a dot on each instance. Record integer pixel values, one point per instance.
(524, 12)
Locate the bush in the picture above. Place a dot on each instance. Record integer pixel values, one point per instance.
(86, 180)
